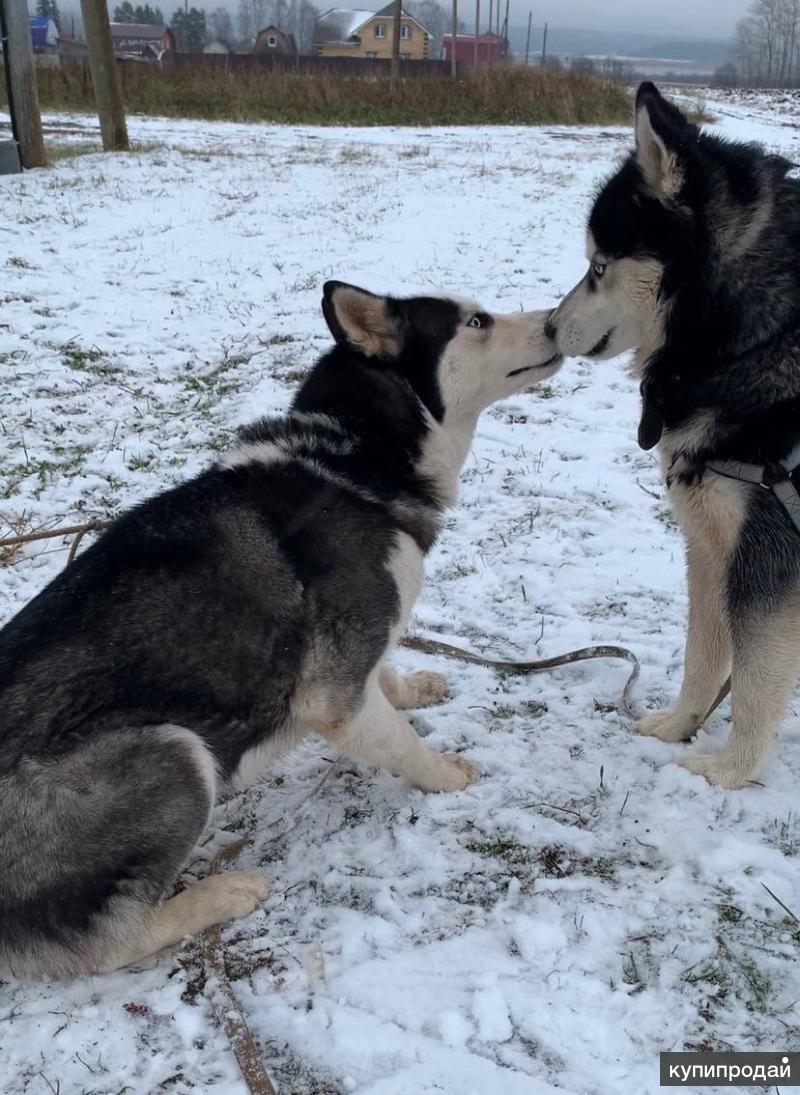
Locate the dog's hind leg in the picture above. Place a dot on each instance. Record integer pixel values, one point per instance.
(419, 689)
(381, 736)
(708, 650)
(91, 839)
(766, 650)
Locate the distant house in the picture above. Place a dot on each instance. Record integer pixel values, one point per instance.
(71, 50)
(491, 48)
(44, 34)
(216, 47)
(274, 40)
(148, 40)
(343, 33)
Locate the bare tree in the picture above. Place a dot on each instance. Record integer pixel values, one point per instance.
(306, 16)
(220, 26)
(434, 18)
(766, 49)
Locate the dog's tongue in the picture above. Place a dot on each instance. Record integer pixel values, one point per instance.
(651, 424)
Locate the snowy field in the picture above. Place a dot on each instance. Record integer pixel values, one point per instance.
(587, 903)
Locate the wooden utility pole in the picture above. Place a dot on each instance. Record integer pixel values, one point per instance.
(528, 40)
(395, 64)
(105, 78)
(544, 45)
(491, 9)
(476, 60)
(453, 63)
(24, 104)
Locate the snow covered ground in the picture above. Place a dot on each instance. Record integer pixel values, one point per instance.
(587, 903)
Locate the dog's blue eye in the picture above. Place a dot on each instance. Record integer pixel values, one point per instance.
(599, 268)
(475, 321)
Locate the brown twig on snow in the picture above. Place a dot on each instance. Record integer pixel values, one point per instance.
(53, 533)
(92, 526)
(227, 1007)
(233, 1022)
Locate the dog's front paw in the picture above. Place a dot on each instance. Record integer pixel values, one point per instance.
(668, 725)
(426, 688)
(453, 773)
(717, 769)
(232, 894)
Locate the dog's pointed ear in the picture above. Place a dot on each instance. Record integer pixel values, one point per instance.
(361, 319)
(661, 132)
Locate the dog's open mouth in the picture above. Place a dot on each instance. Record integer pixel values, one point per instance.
(532, 368)
(602, 344)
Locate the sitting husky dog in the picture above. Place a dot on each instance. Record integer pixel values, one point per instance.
(211, 628)
(694, 261)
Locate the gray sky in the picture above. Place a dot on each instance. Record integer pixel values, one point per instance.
(681, 18)
(675, 18)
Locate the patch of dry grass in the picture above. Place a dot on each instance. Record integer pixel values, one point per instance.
(504, 95)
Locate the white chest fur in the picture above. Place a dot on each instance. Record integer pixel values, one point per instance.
(406, 568)
(256, 761)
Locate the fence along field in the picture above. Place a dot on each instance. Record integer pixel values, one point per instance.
(502, 95)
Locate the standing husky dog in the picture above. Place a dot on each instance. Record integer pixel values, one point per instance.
(694, 261)
(212, 627)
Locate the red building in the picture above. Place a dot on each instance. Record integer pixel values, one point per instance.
(148, 40)
(491, 48)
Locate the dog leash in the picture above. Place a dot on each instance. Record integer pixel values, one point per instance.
(433, 646)
(586, 653)
(723, 692)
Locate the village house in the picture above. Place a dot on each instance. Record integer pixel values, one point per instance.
(491, 48)
(147, 40)
(274, 40)
(44, 34)
(71, 51)
(343, 33)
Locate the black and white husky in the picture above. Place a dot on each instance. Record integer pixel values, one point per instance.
(212, 627)
(694, 262)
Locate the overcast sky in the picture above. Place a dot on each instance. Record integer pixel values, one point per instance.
(676, 18)
(682, 18)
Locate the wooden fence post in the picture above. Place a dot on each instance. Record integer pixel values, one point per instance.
(25, 97)
(394, 69)
(105, 78)
(453, 62)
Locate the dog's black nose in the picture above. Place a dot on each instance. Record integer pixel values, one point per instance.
(550, 328)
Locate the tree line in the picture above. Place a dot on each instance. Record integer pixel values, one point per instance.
(766, 46)
(50, 9)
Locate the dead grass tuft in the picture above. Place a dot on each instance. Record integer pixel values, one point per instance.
(505, 95)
